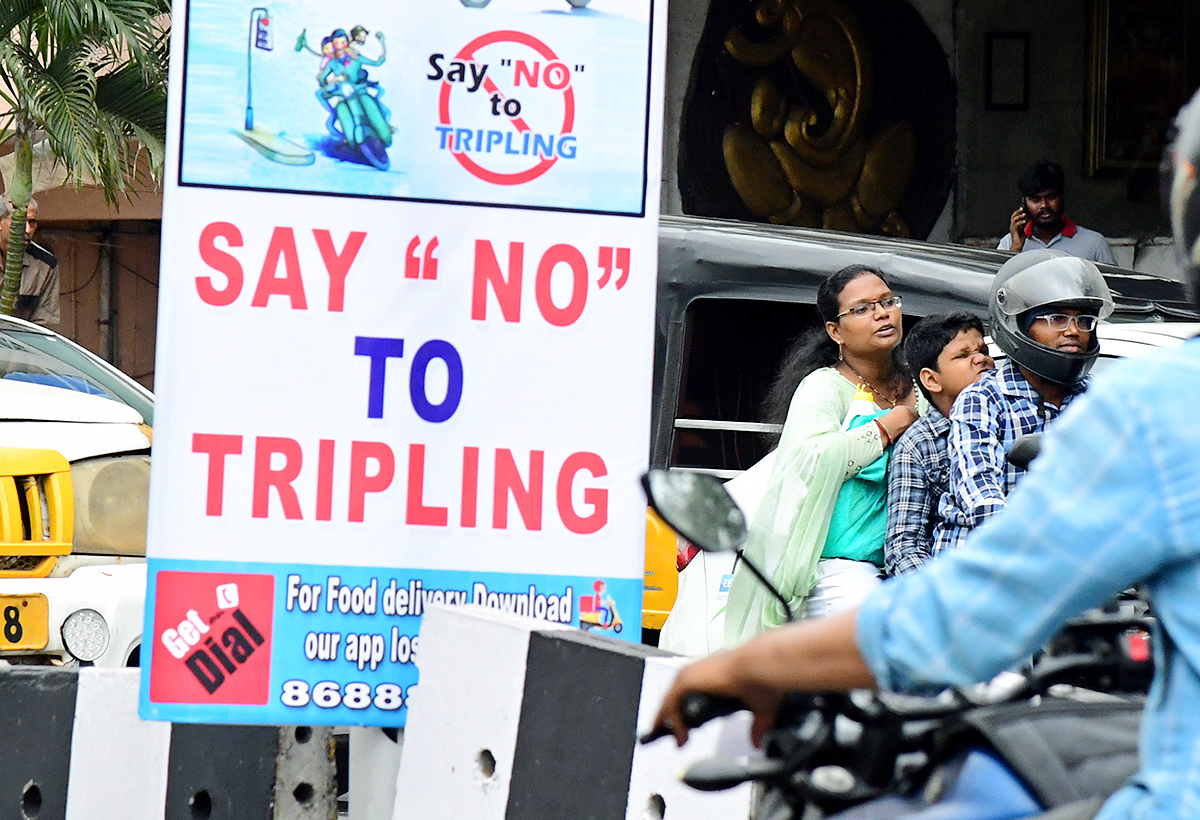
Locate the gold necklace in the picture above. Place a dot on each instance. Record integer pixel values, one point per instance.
(875, 391)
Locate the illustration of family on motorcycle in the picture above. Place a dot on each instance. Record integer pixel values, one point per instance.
(358, 120)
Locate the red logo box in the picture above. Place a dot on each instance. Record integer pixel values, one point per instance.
(212, 638)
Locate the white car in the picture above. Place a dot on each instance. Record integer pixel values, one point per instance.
(1124, 340)
(74, 477)
(696, 625)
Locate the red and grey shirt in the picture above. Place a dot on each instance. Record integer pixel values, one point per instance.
(1077, 241)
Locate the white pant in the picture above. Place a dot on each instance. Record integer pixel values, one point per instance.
(842, 584)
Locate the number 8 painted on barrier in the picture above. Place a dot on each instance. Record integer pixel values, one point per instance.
(295, 693)
(388, 697)
(13, 631)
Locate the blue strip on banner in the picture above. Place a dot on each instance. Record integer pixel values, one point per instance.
(303, 644)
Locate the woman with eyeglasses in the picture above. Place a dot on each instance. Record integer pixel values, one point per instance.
(843, 395)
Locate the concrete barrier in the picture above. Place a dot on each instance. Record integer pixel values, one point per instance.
(524, 720)
(75, 749)
(513, 718)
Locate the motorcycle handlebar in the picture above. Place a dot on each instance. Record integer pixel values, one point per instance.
(698, 709)
(1047, 673)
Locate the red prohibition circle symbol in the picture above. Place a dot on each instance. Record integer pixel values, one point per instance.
(545, 163)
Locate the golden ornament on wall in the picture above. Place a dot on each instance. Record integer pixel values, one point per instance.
(803, 154)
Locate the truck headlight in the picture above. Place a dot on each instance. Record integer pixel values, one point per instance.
(85, 634)
(111, 502)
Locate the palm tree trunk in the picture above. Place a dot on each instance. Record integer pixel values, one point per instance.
(22, 190)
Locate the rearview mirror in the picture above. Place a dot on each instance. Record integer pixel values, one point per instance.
(698, 507)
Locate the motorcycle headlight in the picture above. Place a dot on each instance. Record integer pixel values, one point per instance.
(85, 634)
(111, 502)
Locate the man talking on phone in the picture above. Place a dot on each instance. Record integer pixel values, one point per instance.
(1039, 221)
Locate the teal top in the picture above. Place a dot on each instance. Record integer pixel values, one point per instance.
(816, 454)
(858, 525)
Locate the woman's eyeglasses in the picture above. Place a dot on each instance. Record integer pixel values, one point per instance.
(1060, 321)
(866, 308)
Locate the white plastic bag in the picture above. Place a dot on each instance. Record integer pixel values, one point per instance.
(696, 625)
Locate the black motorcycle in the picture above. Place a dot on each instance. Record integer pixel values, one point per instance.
(1061, 734)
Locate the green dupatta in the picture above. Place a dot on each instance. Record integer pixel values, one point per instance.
(789, 528)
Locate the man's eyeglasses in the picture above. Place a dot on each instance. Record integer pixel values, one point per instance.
(1060, 321)
(866, 308)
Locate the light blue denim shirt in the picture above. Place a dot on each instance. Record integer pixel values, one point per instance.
(1113, 499)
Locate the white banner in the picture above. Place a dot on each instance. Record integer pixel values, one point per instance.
(405, 340)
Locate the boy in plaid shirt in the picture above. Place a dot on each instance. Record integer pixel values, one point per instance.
(946, 353)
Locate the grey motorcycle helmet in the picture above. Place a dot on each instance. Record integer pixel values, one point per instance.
(1040, 279)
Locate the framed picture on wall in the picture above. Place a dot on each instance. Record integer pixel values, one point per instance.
(1145, 65)
(1006, 71)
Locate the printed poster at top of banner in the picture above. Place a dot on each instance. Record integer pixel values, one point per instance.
(405, 343)
(529, 104)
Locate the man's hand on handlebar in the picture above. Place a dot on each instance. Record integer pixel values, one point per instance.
(717, 677)
(812, 656)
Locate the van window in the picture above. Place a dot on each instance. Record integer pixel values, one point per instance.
(732, 348)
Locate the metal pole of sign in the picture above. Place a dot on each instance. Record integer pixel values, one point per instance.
(255, 15)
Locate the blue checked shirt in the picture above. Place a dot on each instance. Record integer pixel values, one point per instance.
(918, 474)
(1113, 500)
(986, 419)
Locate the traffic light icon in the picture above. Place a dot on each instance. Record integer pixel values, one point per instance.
(262, 32)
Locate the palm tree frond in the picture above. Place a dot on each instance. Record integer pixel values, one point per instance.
(15, 12)
(125, 95)
(90, 75)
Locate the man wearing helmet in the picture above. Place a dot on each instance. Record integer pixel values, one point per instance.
(1043, 312)
(1111, 501)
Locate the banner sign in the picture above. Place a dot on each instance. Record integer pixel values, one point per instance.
(405, 340)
